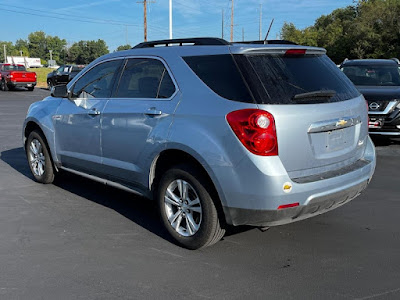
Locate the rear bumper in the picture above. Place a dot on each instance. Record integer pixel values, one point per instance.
(316, 205)
(254, 200)
(21, 84)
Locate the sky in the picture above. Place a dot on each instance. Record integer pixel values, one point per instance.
(120, 22)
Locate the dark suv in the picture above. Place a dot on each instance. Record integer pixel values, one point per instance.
(63, 75)
(379, 81)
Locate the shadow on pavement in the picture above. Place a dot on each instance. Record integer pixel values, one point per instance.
(137, 209)
(382, 141)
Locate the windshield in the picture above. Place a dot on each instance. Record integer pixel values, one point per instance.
(373, 75)
(277, 79)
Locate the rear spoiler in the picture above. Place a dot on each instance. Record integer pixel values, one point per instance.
(280, 51)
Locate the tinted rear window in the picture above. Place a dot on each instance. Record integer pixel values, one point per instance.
(220, 73)
(373, 75)
(278, 79)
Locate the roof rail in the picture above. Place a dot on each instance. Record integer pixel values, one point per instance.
(396, 60)
(272, 42)
(184, 42)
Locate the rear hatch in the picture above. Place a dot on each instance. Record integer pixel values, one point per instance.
(321, 119)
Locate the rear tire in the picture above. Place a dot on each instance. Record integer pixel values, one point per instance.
(31, 89)
(39, 159)
(187, 210)
(4, 86)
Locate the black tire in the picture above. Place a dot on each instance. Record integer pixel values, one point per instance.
(31, 88)
(4, 86)
(209, 228)
(42, 154)
(49, 84)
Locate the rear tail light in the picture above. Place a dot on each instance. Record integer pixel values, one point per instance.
(256, 130)
(295, 52)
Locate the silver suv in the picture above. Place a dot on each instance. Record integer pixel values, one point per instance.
(216, 133)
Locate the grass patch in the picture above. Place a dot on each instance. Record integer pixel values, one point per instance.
(41, 74)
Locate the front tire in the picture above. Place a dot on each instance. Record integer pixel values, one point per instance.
(186, 208)
(50, 84)
(39, 159)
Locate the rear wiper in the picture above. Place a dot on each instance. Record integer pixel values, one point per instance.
(316, 94)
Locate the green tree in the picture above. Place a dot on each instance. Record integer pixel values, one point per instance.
(124, 47)
(39, 45)
(368, 29)
(10, 48)
(84, 52)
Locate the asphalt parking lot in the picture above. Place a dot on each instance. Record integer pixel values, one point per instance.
(78, 239)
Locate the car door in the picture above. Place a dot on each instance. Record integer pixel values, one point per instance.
(64, 74)
(78, 119)
(136, 120)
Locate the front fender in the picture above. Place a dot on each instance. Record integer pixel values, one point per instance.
(41, 113)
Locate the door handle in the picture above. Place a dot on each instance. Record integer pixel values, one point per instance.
(93, 112)
(153, 112)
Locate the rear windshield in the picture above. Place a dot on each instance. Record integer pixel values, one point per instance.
(267, 79)
(373, 75)
(14, 68)
(289, 79)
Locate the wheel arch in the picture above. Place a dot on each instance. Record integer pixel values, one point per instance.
(173, 157)
(31, 126)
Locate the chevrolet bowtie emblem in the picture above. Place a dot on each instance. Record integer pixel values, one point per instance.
(341, 123)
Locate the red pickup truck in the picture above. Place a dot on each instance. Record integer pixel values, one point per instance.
(12, 76)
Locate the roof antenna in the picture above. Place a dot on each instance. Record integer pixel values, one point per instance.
(269, 29)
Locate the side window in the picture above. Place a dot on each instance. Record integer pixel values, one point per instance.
(145, 78)
(97, 82)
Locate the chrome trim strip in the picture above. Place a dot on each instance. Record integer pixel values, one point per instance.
(384, 133)
(335, 124)
(103, 181)
(389, 108)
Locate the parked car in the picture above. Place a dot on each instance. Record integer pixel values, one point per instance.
(216, 133)
(13, 75)
(63, 75)
(379, 81)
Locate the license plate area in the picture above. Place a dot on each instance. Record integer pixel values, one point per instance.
(375, 122)
(326, 144)
(29, 85)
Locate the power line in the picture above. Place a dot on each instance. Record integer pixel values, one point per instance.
(104, 22)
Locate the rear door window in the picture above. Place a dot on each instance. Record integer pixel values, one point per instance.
(145, 78)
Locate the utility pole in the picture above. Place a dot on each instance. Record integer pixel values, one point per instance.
(232, 22)
(126, 34)
(260, 31)
(5, 53)
(170, 19)
(145, 17)
(222, 29)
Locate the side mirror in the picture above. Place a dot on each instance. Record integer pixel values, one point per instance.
(59, 91)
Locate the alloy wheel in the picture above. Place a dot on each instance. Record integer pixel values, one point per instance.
(183, 207)
(37, 158)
